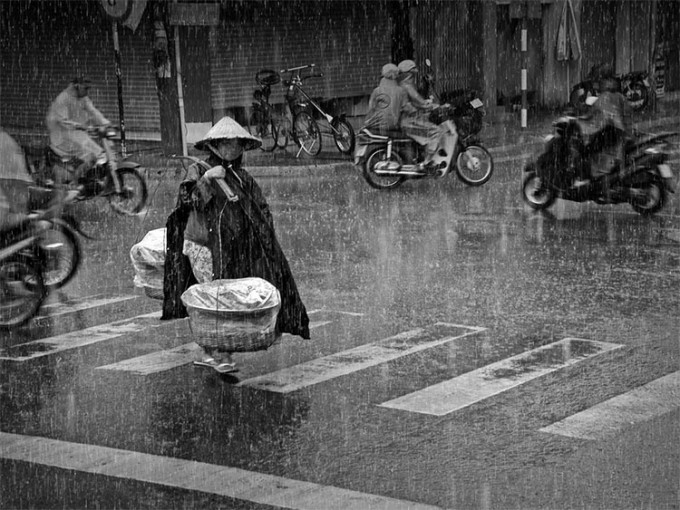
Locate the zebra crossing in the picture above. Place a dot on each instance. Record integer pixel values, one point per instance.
(440, 399)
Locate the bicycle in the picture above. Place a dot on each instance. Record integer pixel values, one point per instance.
(264, 122)
(306, 133)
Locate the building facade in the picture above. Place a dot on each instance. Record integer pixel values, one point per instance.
(222, 44)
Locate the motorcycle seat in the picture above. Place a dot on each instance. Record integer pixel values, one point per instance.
(391, 134)
(53, 154)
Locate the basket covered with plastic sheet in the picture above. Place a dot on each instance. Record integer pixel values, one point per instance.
(148, 259)
(233, 315)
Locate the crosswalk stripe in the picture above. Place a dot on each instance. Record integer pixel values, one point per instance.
(365, 356)
(240, 484)
(482, 383)
(160, 361)
(642, 404)
(56, 309)
(74, 339)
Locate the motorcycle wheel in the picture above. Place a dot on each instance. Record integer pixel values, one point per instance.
(133, 192)
(474, 165)
(381, 181)
(22, 290)
(306, 133)
(263, 128)
(344, 137)
(637, 95)
(648, 198)
(535, 194)
(60, 254)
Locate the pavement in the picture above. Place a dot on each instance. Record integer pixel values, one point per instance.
(502, 134)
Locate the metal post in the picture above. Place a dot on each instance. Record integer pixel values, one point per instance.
(525, 59)
(121, 115)
(180, 93)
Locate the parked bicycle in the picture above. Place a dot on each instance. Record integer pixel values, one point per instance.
(306, 132)
(265, 122)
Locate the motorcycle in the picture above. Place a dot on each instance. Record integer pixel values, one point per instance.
(635, 87)
(38, 255)
(120, 182)
(386, 161)
(562, 171)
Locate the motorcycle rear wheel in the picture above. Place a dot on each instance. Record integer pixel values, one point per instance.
(649, 198)
(535, 194)
(381, 181)
(22, 290)
(133, 192)
(61, 254)
(637, 95)
(474, 165)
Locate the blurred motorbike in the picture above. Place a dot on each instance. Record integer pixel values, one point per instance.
(562, 170)
(635, 87)
(388, 160)
(120, 182)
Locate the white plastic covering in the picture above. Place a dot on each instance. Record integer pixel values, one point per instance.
(148, 259)
(233, 315)
(239, 295)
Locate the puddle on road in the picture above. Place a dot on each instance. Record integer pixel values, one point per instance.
(553, 356)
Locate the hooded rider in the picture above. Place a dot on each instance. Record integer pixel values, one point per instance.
(416, 124)
(68, 118)
(387, 103)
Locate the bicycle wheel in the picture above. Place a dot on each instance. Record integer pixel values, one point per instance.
(22, 290)
(344, 137)
(282, 126)
(259, 125)
(306, 133)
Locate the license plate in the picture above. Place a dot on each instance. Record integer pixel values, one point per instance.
(476, 103)
(665, 171)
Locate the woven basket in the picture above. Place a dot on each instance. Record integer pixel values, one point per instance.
(234, 330)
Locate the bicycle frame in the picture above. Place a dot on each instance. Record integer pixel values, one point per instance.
(295, 85)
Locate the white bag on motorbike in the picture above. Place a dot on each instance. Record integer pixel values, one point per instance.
(148, 259)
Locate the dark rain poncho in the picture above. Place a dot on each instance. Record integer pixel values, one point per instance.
(241, 239)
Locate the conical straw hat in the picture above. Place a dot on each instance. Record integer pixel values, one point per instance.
(228, 128)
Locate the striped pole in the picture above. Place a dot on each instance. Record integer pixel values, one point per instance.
(525, 59)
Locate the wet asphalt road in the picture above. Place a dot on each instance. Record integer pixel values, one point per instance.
(371, 265)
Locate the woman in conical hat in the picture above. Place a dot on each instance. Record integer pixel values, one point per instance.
(223, 227)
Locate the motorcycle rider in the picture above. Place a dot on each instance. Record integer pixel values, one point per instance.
(416, 124)
(607, 129)
(387, 102)
(67, 120)
(14, 183)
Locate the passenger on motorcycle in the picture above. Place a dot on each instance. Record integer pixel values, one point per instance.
(67, 121)
(416, 124)
(387, 103)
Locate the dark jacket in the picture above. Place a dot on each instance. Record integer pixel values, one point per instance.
(241, 238)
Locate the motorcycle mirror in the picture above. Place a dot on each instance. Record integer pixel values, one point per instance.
(427, 62)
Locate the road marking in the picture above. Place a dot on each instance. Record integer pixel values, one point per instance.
(57, 309)
(477, 385)
(74, 339)
(365, 356)
(654, 399)
(225, 481)
(170, 359)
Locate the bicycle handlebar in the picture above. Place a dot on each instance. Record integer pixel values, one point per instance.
(299, 68)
